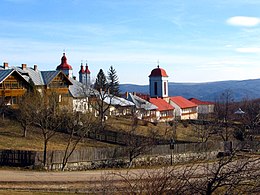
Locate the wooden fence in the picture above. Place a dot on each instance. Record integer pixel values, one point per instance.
(27, 158)
(120, 138)
(17, 158)
(101, 154)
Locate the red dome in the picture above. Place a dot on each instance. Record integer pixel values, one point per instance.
(82, 69)
(64, 65)
(87, 71)
(158, 72)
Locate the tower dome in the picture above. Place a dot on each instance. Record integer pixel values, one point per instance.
(64, 64)
(65, 67)
(82, 71)
(158, 72)
(87, 71)
(158, 83)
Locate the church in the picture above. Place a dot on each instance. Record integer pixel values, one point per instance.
(166, 108)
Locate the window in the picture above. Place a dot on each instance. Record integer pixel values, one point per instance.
(155, 88)
(165, 84)
(14, 100)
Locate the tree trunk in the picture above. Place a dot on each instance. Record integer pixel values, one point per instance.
(24, 131)
(45, 152)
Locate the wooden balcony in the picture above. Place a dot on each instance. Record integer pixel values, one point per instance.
(12, 92)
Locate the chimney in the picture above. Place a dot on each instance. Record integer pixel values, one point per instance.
(5, 65)
(126, 95)
(23, 66)
(74, 77)
(35, 67)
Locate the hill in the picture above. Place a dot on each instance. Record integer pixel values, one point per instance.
(205, 91)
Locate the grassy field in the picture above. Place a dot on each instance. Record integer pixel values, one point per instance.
(11, 138)
(11, 134)
(163, 129)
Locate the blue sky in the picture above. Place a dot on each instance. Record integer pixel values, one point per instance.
(194, 41)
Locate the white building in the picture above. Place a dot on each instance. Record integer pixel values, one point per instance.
(158, 83)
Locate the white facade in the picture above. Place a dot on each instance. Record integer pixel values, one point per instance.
(158, 86)
(185, 113)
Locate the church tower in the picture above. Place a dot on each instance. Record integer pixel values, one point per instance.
(82, 75)
(65, 67)
(158, 83)
(87, 74)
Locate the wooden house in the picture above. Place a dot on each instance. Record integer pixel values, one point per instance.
(12, 87)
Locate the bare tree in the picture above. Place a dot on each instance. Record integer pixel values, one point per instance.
(203, 130)
(77, 125)
(137, 145)
(47, 116)
(223, 115)
(25, 111)
(165, 180)
(3, 106)
(228, 174)
(251, 118)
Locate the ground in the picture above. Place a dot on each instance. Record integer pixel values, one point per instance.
(11, 138)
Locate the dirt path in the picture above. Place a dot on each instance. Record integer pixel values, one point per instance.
(75, 181)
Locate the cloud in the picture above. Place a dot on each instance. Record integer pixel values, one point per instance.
(248, 50)
(243, 21)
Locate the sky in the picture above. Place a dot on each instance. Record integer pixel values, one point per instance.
(194, 41)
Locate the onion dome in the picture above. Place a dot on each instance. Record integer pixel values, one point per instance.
(158, 72)
(82, 71)
(87, 71)
(64, 65)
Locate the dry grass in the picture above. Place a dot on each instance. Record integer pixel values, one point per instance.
(11, 138)
(11, 134)
(145, 128)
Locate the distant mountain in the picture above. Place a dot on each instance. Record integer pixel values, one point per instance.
(205, 91)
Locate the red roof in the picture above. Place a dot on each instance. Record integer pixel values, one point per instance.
(82, 69)
(158, 72)
(182, 102)
(199, 102)
(64, 65)
(87, 70)
(161, 104)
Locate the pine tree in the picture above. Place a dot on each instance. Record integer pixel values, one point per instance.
(113, 82)
(101, 81)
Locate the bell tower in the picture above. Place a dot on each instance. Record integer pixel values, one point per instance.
(158, 83)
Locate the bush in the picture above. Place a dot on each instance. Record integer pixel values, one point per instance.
(239, 134)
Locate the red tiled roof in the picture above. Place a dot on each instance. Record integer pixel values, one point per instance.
(199, 102)
(64, 65)
(161, 104)
(87, 70)
(182, 102)
(158, 72)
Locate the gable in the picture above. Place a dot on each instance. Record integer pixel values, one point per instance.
(56, 79)
(4, 74)
(11, 79)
